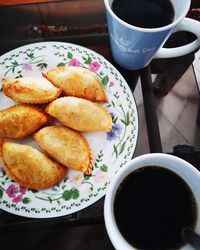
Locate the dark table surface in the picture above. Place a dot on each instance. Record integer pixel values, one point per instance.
(81, 22)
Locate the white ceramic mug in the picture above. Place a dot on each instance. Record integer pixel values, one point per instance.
(182, 168)
(134, 47)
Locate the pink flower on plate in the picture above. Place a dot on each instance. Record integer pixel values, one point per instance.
(111, 83)
(11, 191)
(74, 62)
(94, 66)
(27, 66)
(23, 190)
(99, 176)
(17, 199)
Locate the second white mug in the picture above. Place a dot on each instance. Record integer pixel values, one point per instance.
(130, 216)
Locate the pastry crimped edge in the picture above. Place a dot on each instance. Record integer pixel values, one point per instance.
(102, 99)
(1, 151)
(33, 186)
(48, 118)
(88, 170)
(27, 185)
(107, 113)
(59, 91)
(108, 116)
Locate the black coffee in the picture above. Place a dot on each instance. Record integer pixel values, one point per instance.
(151, 208)
(144, 13)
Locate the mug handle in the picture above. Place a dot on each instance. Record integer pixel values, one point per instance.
(187, 24)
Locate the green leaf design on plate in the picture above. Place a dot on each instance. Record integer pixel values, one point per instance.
(116, 95)
(87, 177)
(69, 55)
(15, 63)
(113, 104)
(74, 193)
(61, 64)
(19, 76)
(104, 168)
(70, 194)
(105, 80)
(115, 151)
(122, 147)
(50, 200)
(31, 55)
(42, 65)
(26, 200)
(126, 121)
(98, 160)
(87, 60)
(1, 193)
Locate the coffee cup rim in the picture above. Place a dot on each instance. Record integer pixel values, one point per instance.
(148, 30)
(160, 159)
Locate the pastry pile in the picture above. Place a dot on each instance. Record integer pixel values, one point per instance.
(71, 94)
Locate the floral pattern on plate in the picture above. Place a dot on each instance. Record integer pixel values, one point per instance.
(110, 150)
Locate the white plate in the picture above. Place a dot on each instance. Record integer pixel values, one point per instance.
(110, 150)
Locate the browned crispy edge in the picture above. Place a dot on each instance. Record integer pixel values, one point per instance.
(97, 104)
(103, 99)
(88, 170)
(1, 150)
(48, 119)
(36, 186)
(36, 102)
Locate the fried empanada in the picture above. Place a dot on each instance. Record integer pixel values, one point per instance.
(66, 146)
(77, 81)
(29, 167)
(21, 120)
(1, 151)
(31, 90)
(80, 114)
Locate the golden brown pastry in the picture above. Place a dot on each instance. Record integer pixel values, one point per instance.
(66, 146)
(21, 120)
(77, 81)
(31, 90)
(1, 151)
(80, 114)
(29, 167)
